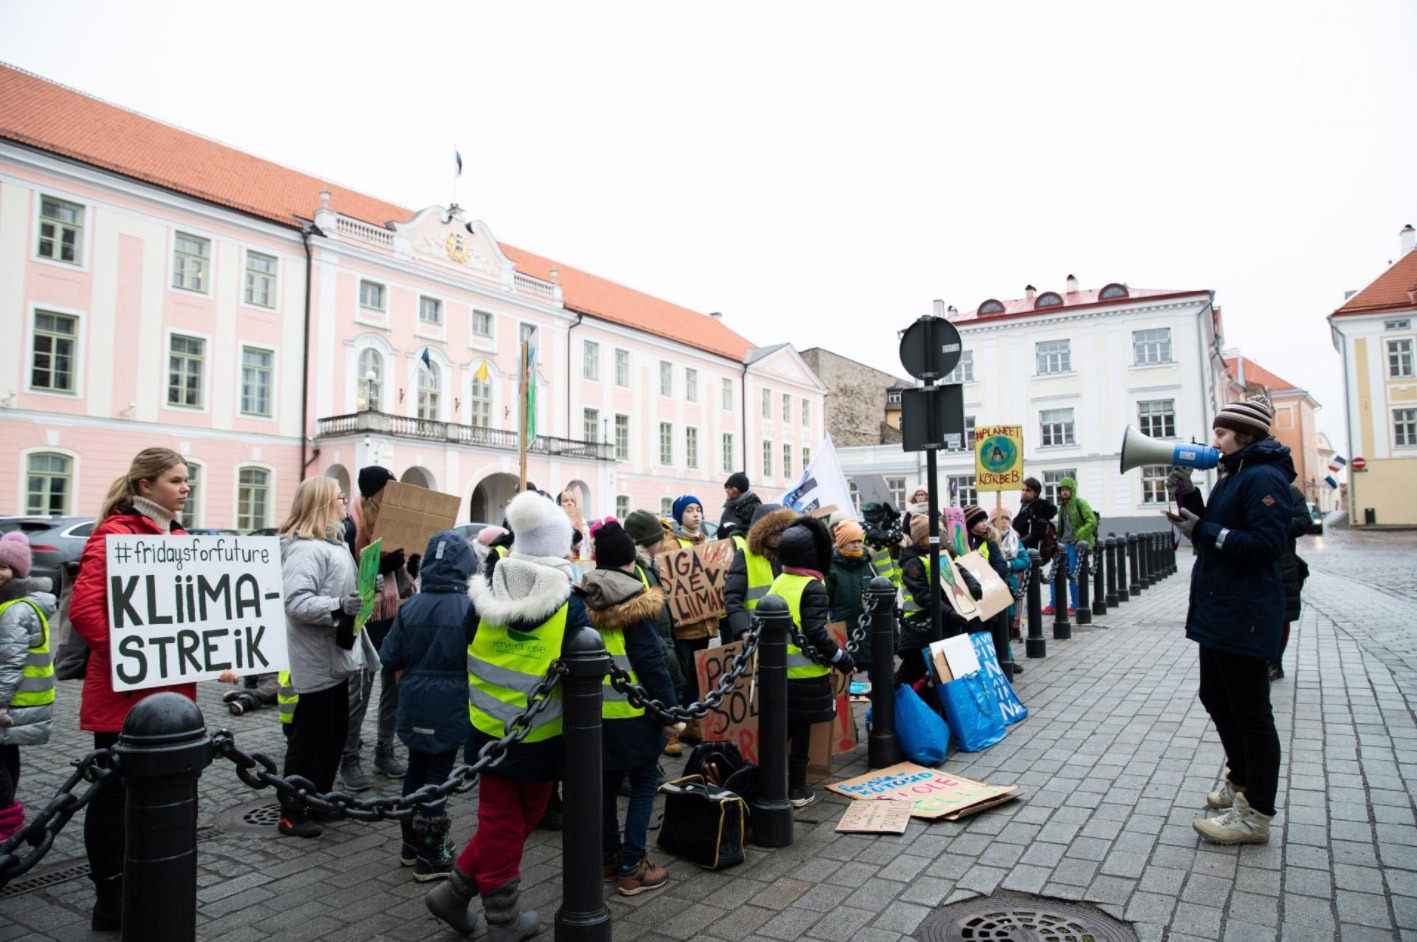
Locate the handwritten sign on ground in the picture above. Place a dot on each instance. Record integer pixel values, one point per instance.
(997, 595)
(409, 516)
(933, 793)
(182, 609)
(693, 578)
(883, 816)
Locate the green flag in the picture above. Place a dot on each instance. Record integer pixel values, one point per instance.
(368, 575)
(530, 371)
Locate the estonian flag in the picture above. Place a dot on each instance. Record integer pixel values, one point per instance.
(457, 158)
(427, 360)
(1331, 482)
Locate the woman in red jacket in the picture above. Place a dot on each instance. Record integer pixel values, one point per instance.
(146, 501)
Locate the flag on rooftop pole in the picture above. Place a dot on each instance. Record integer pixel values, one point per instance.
(529, 371)
(822, 485)
(457, 159)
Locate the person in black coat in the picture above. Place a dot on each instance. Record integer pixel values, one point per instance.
(769, 520)
(1295, 571)
(1034, 514)
(915, 620)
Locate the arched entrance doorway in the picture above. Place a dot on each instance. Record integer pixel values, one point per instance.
(488, 503)
(582, 492)
(418, 477)
(341, 476)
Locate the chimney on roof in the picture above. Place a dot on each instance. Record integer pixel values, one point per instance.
(1030, 292)
(1072, 284)
(324, 199)
(1349, 293)
(716, 315)
(555, 274)
(939, 307)
(1407, 238)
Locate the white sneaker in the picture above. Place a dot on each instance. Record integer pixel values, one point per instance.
(1240, 824)
(1224, 796)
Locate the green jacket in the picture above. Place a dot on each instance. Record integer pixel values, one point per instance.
(1083, 519)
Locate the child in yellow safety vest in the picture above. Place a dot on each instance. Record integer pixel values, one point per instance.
(26, 670)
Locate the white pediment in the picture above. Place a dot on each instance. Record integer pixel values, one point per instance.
(443, 237)
(785, 363)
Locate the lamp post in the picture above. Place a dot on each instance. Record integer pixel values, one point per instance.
(369, 378)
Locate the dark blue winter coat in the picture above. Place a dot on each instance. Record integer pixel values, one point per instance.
(428, 642)
(1237, 590)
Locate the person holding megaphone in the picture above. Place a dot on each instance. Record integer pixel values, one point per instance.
(1237, 610)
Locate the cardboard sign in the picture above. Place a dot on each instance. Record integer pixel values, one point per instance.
(952, 588)
(693, 578)
(1009, 704)
(368, 578)
(410, 515)
(933, 793)
(997, 595)
(953, 657)
(183, 609)
(998, 458)
(882, 816)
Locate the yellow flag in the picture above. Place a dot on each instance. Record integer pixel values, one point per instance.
(482, 374)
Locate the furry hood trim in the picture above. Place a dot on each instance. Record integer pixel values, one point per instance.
(520, 591)
(643, 607)
(771, 525)
(36, 587)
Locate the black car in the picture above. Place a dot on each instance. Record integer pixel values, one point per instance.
(54, 541)
(1316, 519)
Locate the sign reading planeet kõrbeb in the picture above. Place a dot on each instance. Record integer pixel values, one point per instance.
(183, 609)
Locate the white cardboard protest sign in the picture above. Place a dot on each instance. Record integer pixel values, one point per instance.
(186, 608)
(997, 595)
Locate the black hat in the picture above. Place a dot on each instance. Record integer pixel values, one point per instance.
(372, 480)
(613, 546)
(739, 480)
(806, 544)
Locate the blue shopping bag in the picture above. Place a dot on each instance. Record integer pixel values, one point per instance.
(972, 712)
(924, 737)
(1009, 705)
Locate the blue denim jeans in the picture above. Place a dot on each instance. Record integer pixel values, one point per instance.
(1072, 549)
(643, 783)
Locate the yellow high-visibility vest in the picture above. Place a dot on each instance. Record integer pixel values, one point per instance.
(503, 668)
(37, 679)
(789, 588)
(286, 697)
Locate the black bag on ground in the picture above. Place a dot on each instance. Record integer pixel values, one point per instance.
(703, 824)
(722, 764)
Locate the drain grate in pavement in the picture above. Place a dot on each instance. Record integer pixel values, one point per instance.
(252, 818)
(1021, 919)
(30, 884)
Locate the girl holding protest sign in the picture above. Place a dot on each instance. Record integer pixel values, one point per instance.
(145, 501)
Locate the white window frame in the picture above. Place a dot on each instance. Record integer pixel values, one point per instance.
(787, 408)
(666, 443)
(1400, 358)
(270, 382)
(476, 402)
(361, 382)
(382, 308)
(1050, 483)
(1153, 484)
(270, 488)
(787, 461)
(81, 229)
(1149, 350)
(666, 378)
(590, 425)
(205, 405)
(207, 268)
(76, 361)
(622, 437)
(622, 368)
(590, 361)
(250, 277)
(1057, 428)
(1153, 423)
(434, 326)
(767, 461)
(726, 446)
(194, 494)
(71, 476)
(666, 507)
(428, 383)
(1053, 353)
(767, 404)
(622, 505)
(479, 338)
(967, 441)
(961, 490)
(806, 413)
(691, 384)
(806, 458)
(896, 485)
(1404, 428)
(962, 373)
(526, 333)
(726, 394)
(691, 446)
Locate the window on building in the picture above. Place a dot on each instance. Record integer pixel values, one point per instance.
(961, 490)
(56, 338)
(767, 404)
(48, 484)
(1050, 482)
(430, 312)
(1403, 324)
(897, 488)
(526, 333)
(590, 425)
(1157, 418)
(61, 230)
(893, 397)
(1151, 346)
(622, 437)
(430, 383)
(256, 373)
(855, 493)
(1153, 484)
(967, 442)
(666, 378)
(807, 412)
(1056, 427)
(691, 385)
(253, 499)
(1404, 428)
(786, 461)
(691, 447)
(963, 371)
(590, 360)
(767, 459)
(666, 443)
(186, 358)
(191, 515)
(1054, 356)
(260, 287)
(1399, 359)
(191, 257)
(786, 407)
(371, 379)
(622, 368)
(806, 458)
(480, 403)
(481, 324)
(666, 506)
(622, 505)
(371, 296)
(727, 449)
(726, 396)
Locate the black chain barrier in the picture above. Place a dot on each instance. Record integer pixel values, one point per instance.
(259, 771)
(95, 768)
(638, 696)
(863, 626)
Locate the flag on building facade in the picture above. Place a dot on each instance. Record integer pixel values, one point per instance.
(1331, 482)
(457, 159)
(529, 375)
(822, 485)
(482, 373)
(1337, 463)
(427, 360)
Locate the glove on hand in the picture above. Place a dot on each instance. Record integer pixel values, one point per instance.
(415, 563)
(844, 663)
(391, 562)
(350, 604)
(1187, 525)
(1178, 482)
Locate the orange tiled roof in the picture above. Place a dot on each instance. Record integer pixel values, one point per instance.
(1394, 289)
(1254, 373)
(41, 114)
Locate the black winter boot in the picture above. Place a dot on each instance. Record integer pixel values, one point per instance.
(504, 922)
(408, 849)
(434, 860)
(108, 904)
(450, 899)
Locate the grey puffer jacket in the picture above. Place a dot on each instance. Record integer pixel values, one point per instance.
(21, 629)
(318, 575)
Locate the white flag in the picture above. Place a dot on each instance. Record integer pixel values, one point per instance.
(822, 485)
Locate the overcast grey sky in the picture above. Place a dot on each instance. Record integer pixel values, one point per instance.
(819, 172)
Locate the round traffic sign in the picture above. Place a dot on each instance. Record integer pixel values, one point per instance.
(1359, 464)
(930, 348)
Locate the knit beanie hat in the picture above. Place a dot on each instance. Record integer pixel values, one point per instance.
(372, 480)
(539, 526)
(1251, 417)
(972, 515)
(15, 553)
(739, 480)
(486, 535)
(613, 546)
(644, 528)
(682, 504)
(848, 531)
(919, 528)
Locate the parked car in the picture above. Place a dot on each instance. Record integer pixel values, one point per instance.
(54, 541)
(1316, 519)
(211, 531)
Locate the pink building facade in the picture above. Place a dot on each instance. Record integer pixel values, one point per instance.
(271, 326)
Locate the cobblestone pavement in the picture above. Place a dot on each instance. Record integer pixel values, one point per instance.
(1114, 759)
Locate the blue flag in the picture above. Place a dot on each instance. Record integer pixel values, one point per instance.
(427, 360)
(1331, 482)
(457, 157)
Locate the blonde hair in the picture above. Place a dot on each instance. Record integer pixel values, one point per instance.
(148, 465)
(315, 513)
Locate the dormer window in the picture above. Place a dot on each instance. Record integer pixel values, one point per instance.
(991, 306)
(1113, 291)
(1049, 299)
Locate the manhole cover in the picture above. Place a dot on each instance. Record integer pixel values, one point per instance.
(1021, 919)
(254, 817)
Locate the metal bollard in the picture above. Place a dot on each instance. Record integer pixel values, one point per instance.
(1099, 582)
(161, 753)
(883, 745)
(1084, 613)
(1144, 578)
(1157, 573)
(1123, 594)
(1152, 563)
(772, 812)
(1062, 628)
(1135, 586)
(582, 915)
(1112, 600)
(1035, 645)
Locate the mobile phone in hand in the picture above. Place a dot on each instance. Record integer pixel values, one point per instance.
(1174, 518)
